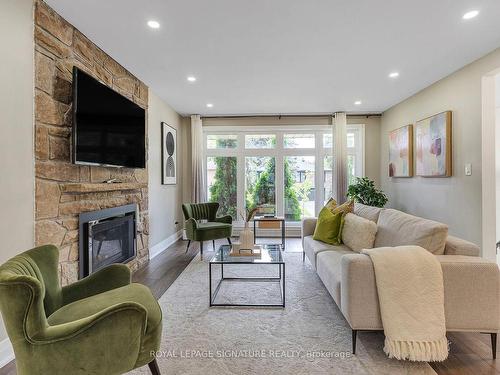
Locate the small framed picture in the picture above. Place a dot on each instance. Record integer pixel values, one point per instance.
(168, 155)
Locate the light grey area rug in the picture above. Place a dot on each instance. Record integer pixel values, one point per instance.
(309, 336)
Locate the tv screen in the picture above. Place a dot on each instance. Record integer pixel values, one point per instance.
(108, 128)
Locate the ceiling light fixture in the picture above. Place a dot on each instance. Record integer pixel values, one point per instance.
(154, 24)
(357, 102)
(191, 79)
(209, 105)
(394, 75)
(470, 15)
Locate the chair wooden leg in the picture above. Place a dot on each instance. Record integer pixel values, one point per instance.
(229, 241)
(187, 248)
(153, 367)
(494, 345)
(201, 249)
(213, 244)
(354, 335)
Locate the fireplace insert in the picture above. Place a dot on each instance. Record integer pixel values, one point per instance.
(107, 237)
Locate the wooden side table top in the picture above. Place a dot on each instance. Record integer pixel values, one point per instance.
(273, 218)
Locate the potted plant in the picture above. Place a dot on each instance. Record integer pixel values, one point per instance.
(365, 192)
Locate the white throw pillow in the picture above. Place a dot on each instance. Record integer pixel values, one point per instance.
(358, 233)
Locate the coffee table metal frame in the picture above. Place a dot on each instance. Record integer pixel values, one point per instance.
(278, 279)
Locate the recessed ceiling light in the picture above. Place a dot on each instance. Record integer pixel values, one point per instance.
(154, 24)
(471, 14)
(394, 75)
(209, 105)
(357, 102)
(191, 79)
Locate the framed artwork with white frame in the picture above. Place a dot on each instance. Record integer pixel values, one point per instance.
(168, 155)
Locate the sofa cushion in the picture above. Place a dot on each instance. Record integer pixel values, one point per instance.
(457, 246)
(312, 248)
(344, 208)
(368, 212)
(329, 268)
(328, 227)
(331, 204)
(396, 228)
(358, 233)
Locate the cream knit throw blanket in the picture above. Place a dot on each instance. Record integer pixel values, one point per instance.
(411, 296)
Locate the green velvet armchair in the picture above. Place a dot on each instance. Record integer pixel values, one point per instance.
(102, 324)
(214, 229)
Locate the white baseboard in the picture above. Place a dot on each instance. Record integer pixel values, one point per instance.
(161, 246)
(6, 352)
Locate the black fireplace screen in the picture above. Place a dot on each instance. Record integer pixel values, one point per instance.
(110, 241)
(106, 236)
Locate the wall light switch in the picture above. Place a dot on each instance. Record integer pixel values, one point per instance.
(468, 169)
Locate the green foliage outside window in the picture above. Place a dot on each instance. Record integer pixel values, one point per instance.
(223, 189)
(292, 205)
(263, 192)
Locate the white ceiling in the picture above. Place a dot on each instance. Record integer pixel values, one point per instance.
(287, 56)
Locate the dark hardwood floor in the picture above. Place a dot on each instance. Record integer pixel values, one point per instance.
(162, 271)
(470, 353)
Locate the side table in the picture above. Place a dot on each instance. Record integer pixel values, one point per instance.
(276, 219)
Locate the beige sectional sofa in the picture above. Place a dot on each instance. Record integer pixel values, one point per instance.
(471, 283)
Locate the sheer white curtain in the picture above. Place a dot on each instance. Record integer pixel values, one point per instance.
(198, 170)
(339, 121)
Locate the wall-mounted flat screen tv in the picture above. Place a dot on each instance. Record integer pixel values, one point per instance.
(108, 128)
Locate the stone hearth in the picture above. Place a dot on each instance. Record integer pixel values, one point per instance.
(64, 190)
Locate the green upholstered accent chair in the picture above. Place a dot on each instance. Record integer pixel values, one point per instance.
(215, 227)
(102, 324)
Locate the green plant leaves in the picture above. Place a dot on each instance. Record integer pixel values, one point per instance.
(365, 192)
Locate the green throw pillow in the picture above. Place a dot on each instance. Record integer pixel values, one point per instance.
(329, 227)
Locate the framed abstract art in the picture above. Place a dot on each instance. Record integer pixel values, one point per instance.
(433, 146)
(168, 154)
(401, 152)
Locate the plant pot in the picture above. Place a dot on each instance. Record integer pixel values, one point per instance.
(246, 238)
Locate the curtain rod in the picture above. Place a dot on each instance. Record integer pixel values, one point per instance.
(280, 116)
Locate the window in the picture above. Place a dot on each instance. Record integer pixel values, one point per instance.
(328, 140)
(260, 185)
(221, 183)
(215, 141)
(287, 172)
(299, 187)
(299, 141)
(260, 141)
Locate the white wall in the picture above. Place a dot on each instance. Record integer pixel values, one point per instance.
(497, 154)
(455, 201)
(16, 124)
(372, 145)
(164, 200)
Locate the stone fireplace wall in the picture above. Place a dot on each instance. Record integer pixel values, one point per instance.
(64, 190)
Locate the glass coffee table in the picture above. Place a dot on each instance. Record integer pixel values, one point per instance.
(271, 256)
